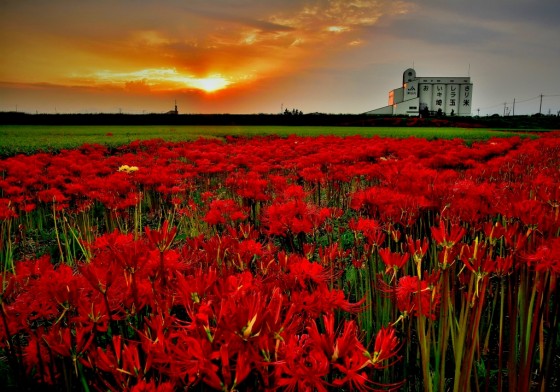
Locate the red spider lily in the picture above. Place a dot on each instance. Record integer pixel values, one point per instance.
(355, 377)
(515, 238)
(303, 271)
(332, 257)
(476, 259)
(100, 275)
(385, 347)
(152, 386)
(247, 251)
(123, 360)
(380, 202)
(93, 314)
(191, 360)
(249, 185)
(416, 297)
(61, 340)
(371, 230)
(393, 261)
(493, 231)
(51, 196)
(348, 355)
(7, 209)
(232, 378)
(196, 286)
(547, 256)
(288, 218)
(417, 249)
(304, 367)
(36, 359)
(334, 346)
(132, 364)
(322, 300)
(49, 296)
(394, 232)
(447, 239)
(244, 232)
(109, 360)
(163, 238)
(282, 319)
(224, 211)
(530, 212)
(238, 310)
(504, 265)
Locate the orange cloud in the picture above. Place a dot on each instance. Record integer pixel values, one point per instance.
(200, 46)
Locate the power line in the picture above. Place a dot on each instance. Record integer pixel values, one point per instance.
(528, 99)
(517, 101)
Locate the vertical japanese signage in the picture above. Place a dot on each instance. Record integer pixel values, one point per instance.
(438, 98)
(452, 99)
(425, 96)
(465, 100)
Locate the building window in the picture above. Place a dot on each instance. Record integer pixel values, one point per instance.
(413, 107)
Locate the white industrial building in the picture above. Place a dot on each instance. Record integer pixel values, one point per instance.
(445, 95)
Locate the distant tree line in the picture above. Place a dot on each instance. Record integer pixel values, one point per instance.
(293, 112)
(295, 117)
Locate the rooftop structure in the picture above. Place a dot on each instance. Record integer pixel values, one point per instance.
(174, 111)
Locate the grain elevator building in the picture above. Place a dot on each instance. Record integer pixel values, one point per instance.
(418, 94)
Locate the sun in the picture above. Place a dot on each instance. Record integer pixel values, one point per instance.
(210, 84)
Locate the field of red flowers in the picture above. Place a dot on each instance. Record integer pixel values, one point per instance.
(282, 264)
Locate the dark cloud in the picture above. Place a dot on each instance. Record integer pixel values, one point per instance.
(479, 25)
(542, 12)
(245, 12)
(437, 30)
(219, 14)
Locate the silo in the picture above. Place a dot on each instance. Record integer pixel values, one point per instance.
(425, 96)
(452, 99)
(465, 99)
(438, 97)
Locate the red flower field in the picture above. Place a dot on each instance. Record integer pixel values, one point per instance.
(283, 264)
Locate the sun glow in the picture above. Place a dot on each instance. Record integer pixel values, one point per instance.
(210, 84)
(164, 78)
(337, 29)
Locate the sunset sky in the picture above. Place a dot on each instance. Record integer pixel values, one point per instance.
(259, 56)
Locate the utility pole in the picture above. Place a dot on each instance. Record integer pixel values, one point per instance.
(514, 106)
(505, 103)
(540, 106)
